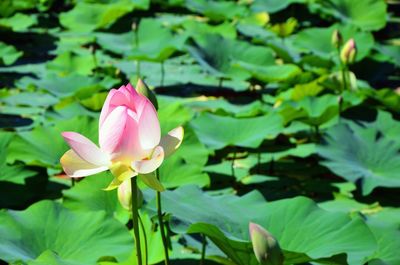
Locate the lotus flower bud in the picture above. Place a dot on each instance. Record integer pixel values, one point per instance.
(265, 246)
(337, 39)
(125, 195)
(349, 51)
(144, 90)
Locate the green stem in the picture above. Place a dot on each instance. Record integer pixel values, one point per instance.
(135, 219)
(203, 250)
(137, 47)
(162, 74)
(161, 222)
(343, 70)
(146, 252)
(233, 163)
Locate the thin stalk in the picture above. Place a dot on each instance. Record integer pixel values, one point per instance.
(233, 163)
(343, 70)
(203, 249)
(162, 74)
(137, 47)
(220, 82)
(161, 223)
(135, 219)
(73, 182)
(146, 252)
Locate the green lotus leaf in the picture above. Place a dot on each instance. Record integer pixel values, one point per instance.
(367, 15)
(86, 17)
(216, 10)
(82, 237)
(220, 131)
(11, 173)
(34, 148)
(304, 41)
(89, 195)
(368, 152)
(221, 56)
(305, 232)
(273, 6)
(8, 53)
(18, 22)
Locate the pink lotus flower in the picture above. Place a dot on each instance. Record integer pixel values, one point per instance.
(129, 138)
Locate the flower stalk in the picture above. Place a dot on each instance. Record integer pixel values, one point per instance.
(135, 219)
(161, 223)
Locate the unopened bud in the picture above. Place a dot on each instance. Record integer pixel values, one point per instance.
(337, 39)
(144, 90)
(265, 246)
(125, 195)
(349, 51)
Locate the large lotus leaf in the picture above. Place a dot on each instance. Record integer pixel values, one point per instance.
(86, 17)
(25, 98)
(154, 243)
(65, 86)
(44, 146)
(304, 41)
(314, 111)
(365, 153)
(194, 28)
(216, 10)
(271, 73)
(368, 15)
(272, 6)
(9, 7)
(391, 53)
(18, 22)
(220, 56)
(117, 43)
(11, 173)
(383, 222)
(89, 195)
(220, 131)
(172, 113)
(75, 236)
(175, 172)
(155, 42)
(49, 257)
(71, 63)
(8, 54)
(223, 106)
(304, 231)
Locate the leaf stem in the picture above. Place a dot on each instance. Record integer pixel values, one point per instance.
(203, 249)
(162, 74)
(135, 219)
(161, 223)
(146, 252)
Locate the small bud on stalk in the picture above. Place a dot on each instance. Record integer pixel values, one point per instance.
(348, 53)
(337, 39)
(144, 90)
(265, 246)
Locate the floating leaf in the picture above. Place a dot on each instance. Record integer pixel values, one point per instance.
(48, 226)
(368, 153)
(305, 231)
(220, 131)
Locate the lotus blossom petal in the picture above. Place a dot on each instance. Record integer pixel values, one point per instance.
(149, 165)
(149, 126)
(171, 141)
(75, 167)
(86, 149)
(112, 130)
(107, 108)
